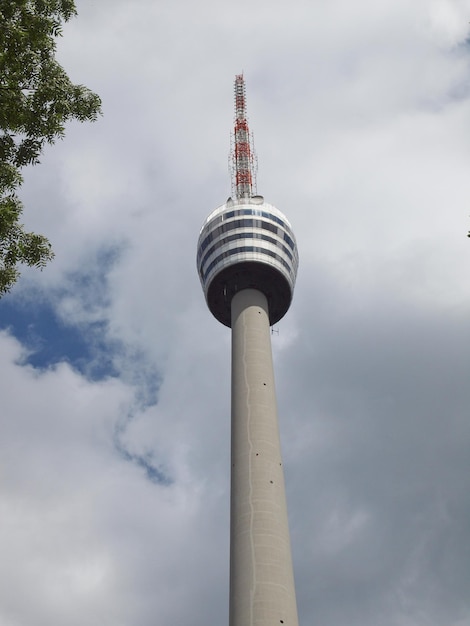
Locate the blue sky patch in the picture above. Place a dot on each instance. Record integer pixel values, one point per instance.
(51, 341)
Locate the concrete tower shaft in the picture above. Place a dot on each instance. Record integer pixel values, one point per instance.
(262, 591)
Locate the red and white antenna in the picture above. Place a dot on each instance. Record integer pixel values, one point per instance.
(243, 163)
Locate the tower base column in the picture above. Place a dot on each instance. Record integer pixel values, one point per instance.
(262, 589)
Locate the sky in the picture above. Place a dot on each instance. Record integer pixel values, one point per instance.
(115, 385)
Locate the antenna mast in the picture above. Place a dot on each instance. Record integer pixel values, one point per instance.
(242, 154)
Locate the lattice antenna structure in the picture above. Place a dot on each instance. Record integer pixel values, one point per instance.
(243, 161)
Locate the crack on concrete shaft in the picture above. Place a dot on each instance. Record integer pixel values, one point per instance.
(248, 426)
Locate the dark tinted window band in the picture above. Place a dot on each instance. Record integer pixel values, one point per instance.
(246, 235)
(246, 249)
(223, 228)
(228, 214)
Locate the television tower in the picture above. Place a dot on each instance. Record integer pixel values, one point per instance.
(247, 261)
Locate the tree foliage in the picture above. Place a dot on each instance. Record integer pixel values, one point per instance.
(37, 98)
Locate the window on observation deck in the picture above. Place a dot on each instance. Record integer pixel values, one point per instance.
(253, 249)
(246, 235)
(227, 215)
(245, 223)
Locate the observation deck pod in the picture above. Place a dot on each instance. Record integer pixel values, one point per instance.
(247, 244)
